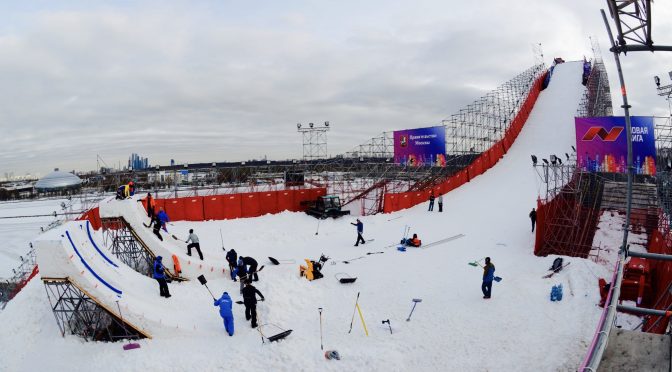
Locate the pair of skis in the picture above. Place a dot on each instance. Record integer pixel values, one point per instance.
(553, 272)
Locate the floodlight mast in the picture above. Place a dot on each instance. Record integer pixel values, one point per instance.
(314, 140)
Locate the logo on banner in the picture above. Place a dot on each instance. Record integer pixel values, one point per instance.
(610, 136)
(403, 140)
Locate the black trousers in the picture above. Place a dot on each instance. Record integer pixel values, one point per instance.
(251, 313)
(360, 238)
(150, 211)
(534, 222)
(431, 206)
(440, 207)
(253, 273)
(198, 249)
(486, 287)
(158, 234)
(163, 287)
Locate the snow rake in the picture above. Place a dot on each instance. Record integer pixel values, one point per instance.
(360, 257)
(344, 278)
(415, 302)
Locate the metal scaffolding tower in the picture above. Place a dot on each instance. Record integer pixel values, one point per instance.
(125, 245)
(78, 314)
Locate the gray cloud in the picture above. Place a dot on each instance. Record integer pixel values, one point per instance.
(219, 81)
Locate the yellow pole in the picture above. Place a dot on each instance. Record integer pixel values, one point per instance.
(362, 318)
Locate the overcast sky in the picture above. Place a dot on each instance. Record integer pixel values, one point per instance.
(228, 80)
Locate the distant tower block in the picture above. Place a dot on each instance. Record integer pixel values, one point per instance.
(314, 140)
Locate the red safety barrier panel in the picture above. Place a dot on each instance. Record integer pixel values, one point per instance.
(175, 209)
(317, 192)
(285, 200)
(233, 207)
(269, 202)
(438, 189)
(405, 200)
(160, 204)
(93, 216)
(299, 197)
(251, 204)
(193, 208)
(391, 203)
(419, 197)
(213, 207)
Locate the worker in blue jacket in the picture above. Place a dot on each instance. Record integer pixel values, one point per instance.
(488, 277)
(159, 273)
(163, 217)
(360, 231)
(225, 304)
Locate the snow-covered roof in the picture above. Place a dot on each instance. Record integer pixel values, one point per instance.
(58, 180)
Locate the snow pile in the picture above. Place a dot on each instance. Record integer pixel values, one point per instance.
(453, 328)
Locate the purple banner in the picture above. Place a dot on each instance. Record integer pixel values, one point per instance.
(420, 146)
(601, 144)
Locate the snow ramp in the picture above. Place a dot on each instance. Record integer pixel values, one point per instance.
(74, 255)
(132, 214)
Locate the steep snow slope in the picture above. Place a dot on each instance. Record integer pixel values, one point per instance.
(452, 329)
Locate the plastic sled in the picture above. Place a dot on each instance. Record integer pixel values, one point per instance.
(345, 278)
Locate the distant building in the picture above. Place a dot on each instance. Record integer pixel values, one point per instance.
(137, 162)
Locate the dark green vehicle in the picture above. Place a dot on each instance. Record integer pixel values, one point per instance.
(325, 207)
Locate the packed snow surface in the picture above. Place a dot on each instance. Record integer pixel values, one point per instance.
(452, 329)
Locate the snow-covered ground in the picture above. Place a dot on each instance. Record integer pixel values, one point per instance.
(452, 329)
(16, 233)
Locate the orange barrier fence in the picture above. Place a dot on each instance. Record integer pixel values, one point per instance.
(397, 201)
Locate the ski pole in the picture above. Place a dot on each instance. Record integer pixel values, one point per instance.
(321, 344)
(353, 313)
(222, 238)
(318, 226)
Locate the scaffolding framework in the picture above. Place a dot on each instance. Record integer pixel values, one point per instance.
(596, 99)
(314, 141)
(78, 314)
(125, 245)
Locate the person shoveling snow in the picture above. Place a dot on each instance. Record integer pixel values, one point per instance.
(225, 304)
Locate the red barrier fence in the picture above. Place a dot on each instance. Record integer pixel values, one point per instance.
(661, 280)
(93, 215)
(397, 201)
(230, 206)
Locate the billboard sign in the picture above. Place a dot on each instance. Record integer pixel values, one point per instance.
(601, 144)
(420, 146)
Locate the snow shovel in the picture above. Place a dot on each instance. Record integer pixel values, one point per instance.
(278, 262)
(284, 333)
(344, 278)
(204, 282)
(130, 345)
(476, 263)
(415, 302)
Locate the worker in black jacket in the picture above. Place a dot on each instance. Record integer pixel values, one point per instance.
(250, 302)
(232, 259)
(252, 265)
(533, 218)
